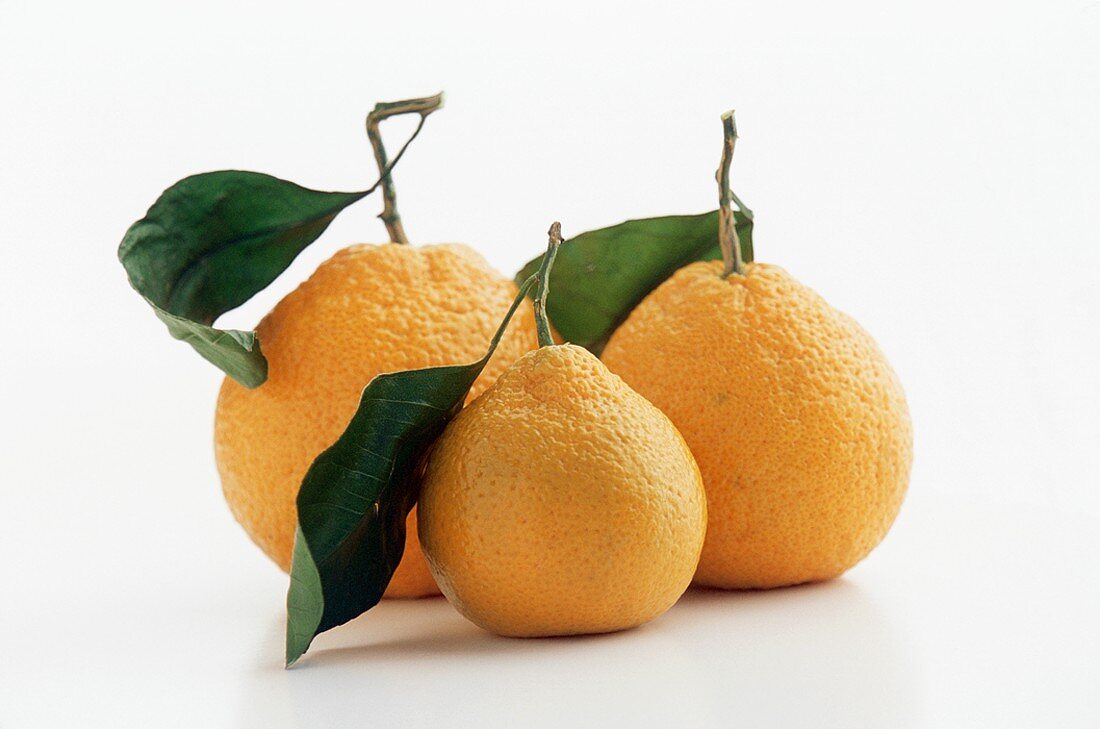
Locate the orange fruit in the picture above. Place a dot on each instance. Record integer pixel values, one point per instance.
(561, 502)
(367, 310)
(799, 425)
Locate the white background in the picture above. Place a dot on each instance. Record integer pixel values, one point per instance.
(931, 168)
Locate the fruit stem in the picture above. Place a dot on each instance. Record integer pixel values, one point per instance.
(384, 110)
(728, 238)
(542, 321)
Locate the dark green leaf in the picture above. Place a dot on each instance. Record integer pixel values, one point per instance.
(212, 241)
(357, 494)
(601, 275)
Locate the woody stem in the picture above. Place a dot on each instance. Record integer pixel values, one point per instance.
(384, 110)
(542, 321)
(728, 238)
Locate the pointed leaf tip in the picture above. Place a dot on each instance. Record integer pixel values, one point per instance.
(356, 496)
(212, 241)
(600, 276)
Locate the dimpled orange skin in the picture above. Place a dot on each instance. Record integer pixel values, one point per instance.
(561, 502)
(367, 310)
(799, 425)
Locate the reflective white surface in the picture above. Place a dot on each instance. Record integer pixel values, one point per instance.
(965, 617)
(928, 167)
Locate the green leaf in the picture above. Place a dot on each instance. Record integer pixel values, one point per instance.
(357, 494)
(600, 276)
(212, 241)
